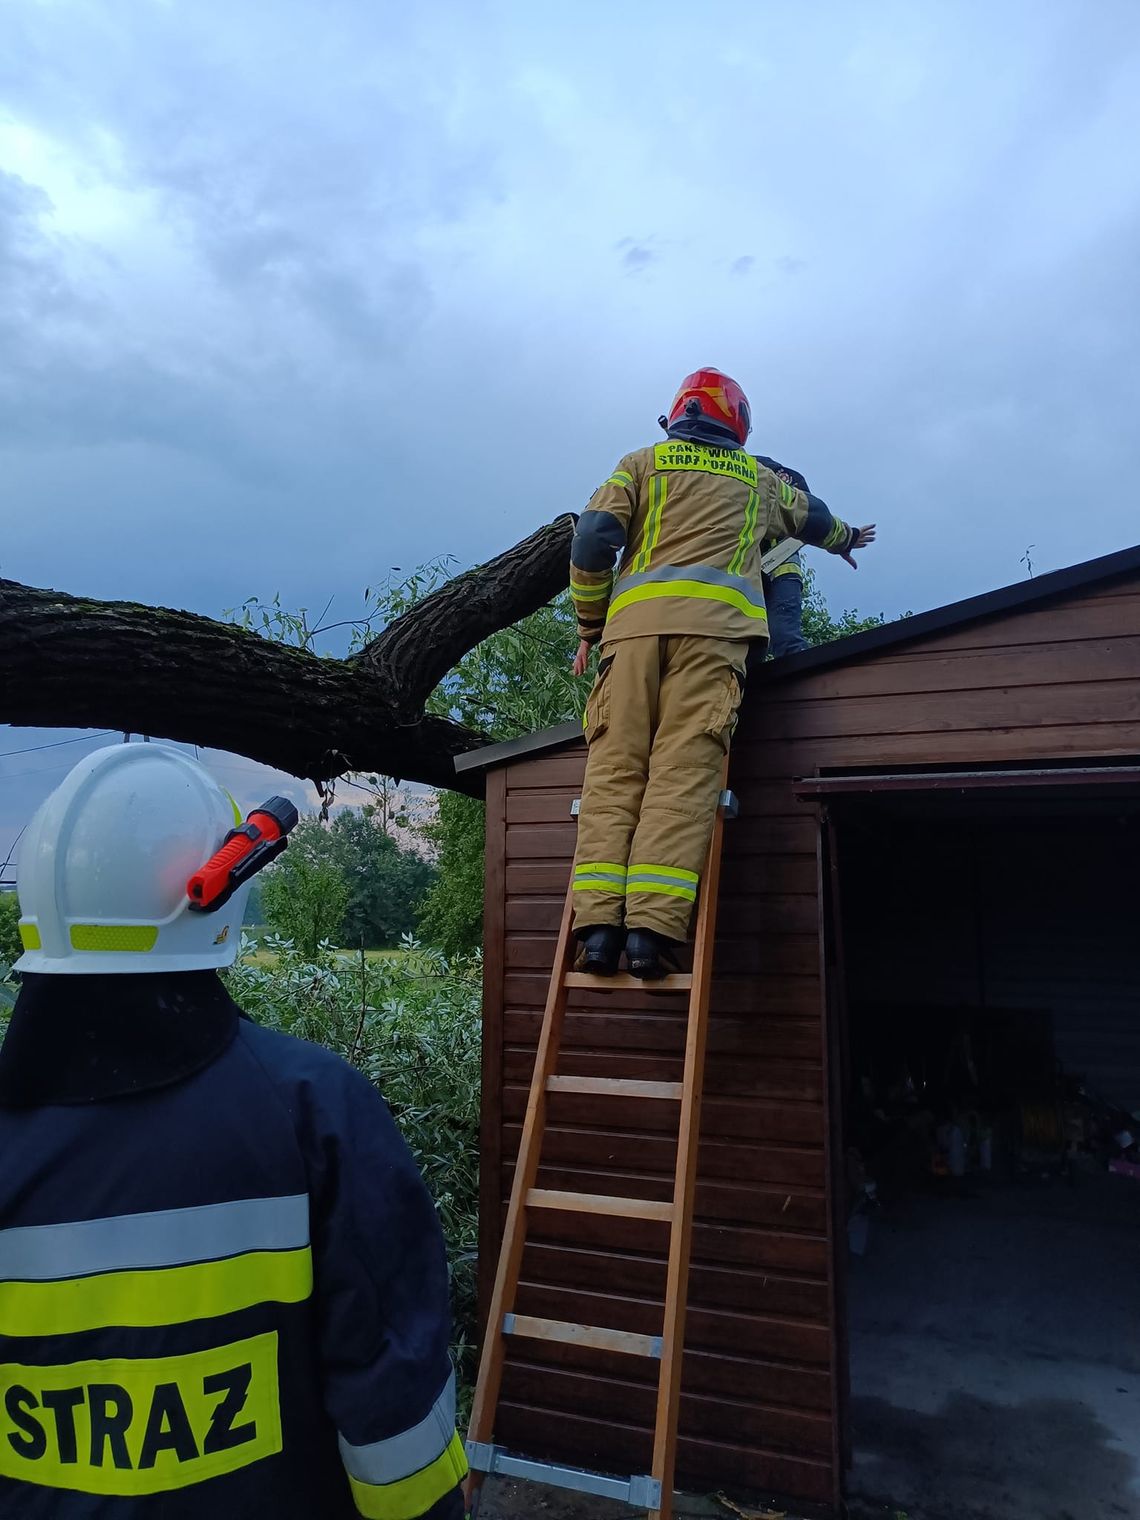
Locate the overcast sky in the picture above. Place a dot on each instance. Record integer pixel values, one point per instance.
(294, 292)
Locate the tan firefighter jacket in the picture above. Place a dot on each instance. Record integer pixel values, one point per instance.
(688, 520)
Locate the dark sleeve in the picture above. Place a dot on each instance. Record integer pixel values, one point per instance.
(794, 476)
(382, 1298)
(599, 537)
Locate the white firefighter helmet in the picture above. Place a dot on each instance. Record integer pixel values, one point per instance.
(105, 862)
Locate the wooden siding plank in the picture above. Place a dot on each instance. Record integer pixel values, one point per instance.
(1006, 745)
(727, 1118)
(658, 1076)
(613, 1446)
(1020, 706)
(1104, 659)
(746, 997)
(728, 1202)
(701, 1415)
(632, 1151)
(712, 1287)
(751, 1246)
(713, 1376)
(766, 896)
(766, 1038)
(799, 1342)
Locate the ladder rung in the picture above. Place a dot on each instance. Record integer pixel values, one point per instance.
(623, 982)
(641, 1492)
(599, 1203)
(614, 1087)
(593, 1336)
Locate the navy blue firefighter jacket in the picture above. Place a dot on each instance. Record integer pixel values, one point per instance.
(223, 1290)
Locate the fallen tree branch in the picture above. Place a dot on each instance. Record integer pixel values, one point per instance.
(69, 661)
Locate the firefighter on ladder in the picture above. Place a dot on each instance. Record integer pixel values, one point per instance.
(223, 1288)
(687, 518)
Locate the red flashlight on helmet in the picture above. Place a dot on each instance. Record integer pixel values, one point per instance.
(246, 850)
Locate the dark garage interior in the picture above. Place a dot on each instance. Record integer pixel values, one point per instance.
(988, 1057)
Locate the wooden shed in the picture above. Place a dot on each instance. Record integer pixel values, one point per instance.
(890, 779)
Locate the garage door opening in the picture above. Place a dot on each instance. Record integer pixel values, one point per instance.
(988, 1076)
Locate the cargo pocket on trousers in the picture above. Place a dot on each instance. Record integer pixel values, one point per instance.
(597, 718)
(726, 697)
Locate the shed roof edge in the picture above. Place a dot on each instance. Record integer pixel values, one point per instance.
(1006, 599)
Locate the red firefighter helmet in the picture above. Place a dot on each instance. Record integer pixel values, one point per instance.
(714, 401)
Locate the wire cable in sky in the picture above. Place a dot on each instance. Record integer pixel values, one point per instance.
(55, 744)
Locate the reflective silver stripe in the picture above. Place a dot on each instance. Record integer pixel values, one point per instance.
(636, 878)
(401, 1456)
(707, 575)
(172, 1237)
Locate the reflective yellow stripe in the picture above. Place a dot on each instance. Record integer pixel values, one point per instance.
(838, 534)
(600, 865)
(30, 936)
(654, 589)
(412, 1496)
(658, 486)
(747, 534)
(787, 494)
(677, 873)
(688, 893)
(620, 478)
(595, 593)
(113, 937)
(789, 567)
(128, 1426)
(168, 1296)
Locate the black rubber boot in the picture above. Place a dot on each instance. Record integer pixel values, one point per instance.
(601, 949)
(649, 955)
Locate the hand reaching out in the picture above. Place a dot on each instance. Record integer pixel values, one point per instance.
(863, 537)
(582, 658)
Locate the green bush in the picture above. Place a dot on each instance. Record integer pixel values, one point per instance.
(411, 1023)
(10, 947)
(304, 901)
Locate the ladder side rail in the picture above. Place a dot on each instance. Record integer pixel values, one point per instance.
(493, 1352)
(688, 1140)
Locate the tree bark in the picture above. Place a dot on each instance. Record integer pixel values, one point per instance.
(67, 661)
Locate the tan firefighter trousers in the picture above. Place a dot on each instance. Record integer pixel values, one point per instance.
(658, 724)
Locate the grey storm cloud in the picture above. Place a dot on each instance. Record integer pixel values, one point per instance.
(292, 293)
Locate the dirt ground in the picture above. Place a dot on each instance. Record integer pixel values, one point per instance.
(503, 1499)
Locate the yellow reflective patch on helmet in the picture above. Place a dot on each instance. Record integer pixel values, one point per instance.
(30, 936)
(112, 937)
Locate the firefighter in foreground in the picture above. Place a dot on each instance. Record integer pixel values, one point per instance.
(222, 1282)
(685, 519)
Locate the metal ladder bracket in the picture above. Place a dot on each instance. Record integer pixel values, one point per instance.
(641, 1492)
(728, 802)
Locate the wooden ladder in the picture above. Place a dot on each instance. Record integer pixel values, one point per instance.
(652, 1491)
